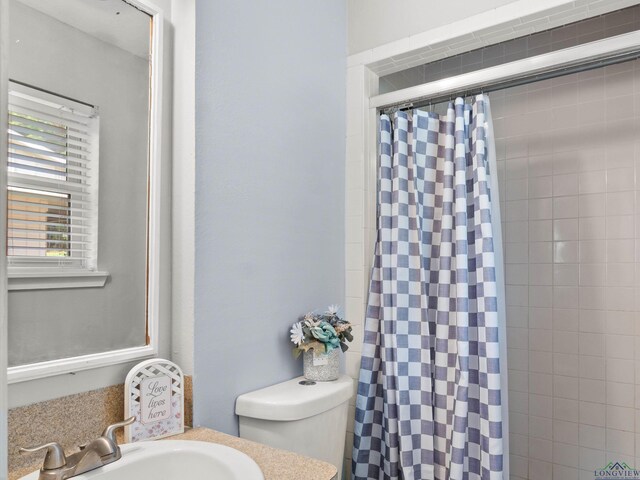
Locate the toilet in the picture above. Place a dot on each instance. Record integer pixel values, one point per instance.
(307, 419)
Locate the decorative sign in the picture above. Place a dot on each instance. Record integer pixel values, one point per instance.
(154, 394)
(156, 399)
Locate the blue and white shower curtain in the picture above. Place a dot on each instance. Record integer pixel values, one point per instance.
(429, 402)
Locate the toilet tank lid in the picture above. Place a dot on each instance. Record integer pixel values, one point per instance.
(290, 400)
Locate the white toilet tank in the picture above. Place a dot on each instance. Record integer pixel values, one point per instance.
(310, 420)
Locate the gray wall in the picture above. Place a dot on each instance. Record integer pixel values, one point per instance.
(270, 148)
(49, 324)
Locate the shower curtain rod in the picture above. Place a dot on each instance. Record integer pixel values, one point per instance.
(515, 82)
(589, 56)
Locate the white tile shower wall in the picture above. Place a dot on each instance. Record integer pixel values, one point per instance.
(359, 224)
(569, 153)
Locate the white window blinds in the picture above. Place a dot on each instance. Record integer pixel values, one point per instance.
(52, 216)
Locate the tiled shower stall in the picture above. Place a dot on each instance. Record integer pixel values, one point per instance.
(568, 168)
(568, 164)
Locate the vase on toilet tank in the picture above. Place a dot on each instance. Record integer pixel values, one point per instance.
(321, 366)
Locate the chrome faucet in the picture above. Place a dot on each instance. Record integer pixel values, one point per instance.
(95, 454)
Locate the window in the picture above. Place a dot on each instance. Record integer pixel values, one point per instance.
(52, 183)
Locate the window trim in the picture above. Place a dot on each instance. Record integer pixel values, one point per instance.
(48, 278)
(22, 373)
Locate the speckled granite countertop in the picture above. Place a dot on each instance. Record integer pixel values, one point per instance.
(275, 464)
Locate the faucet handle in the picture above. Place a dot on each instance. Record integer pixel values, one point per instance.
(110, 431)
(55, 455)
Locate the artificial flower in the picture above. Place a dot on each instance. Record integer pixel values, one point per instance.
(297, 335)
(326, 334)
(321, 331)
(342, 326)
(310, 320)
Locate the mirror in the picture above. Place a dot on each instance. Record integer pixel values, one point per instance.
(82, 180)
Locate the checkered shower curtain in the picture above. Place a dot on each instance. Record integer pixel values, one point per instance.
(429, 399)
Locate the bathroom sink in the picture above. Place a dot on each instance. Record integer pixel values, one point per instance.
(175, 460)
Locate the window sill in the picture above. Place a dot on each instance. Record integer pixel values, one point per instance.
(28, 279)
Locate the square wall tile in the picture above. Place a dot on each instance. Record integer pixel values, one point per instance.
(566, 207)
(540, 427)
(566, 252)
(593, 274)
(564, 472)
(541, 252)
(559, 468)
(593, 321)
(592, 205)
(540, 231)
(620, 179)
(593, 414)
(565, 229)
(621, 394)
(540, 318)
(566, 319)
(541, 406)
(592, 182)
(592, 367)
(591, 228)
(541, 449)
(620, 418)
(620, 370)
(592, 251)
(565, 409)
(592, 344)
(621, 442)
(592, 437)
(565, 185)
(591, 458)
(541, 187)
(566, 275)
(565, 432)
(593, 391)
(620, 226)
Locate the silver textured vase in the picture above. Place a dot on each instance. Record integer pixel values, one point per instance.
(322, 367)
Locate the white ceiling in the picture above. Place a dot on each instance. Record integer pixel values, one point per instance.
(112, 21)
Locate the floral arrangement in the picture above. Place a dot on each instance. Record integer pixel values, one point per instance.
(321, 332)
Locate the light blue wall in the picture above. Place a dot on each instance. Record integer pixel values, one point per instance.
(270, 127)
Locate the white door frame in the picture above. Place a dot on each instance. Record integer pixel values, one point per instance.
(4, 35)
